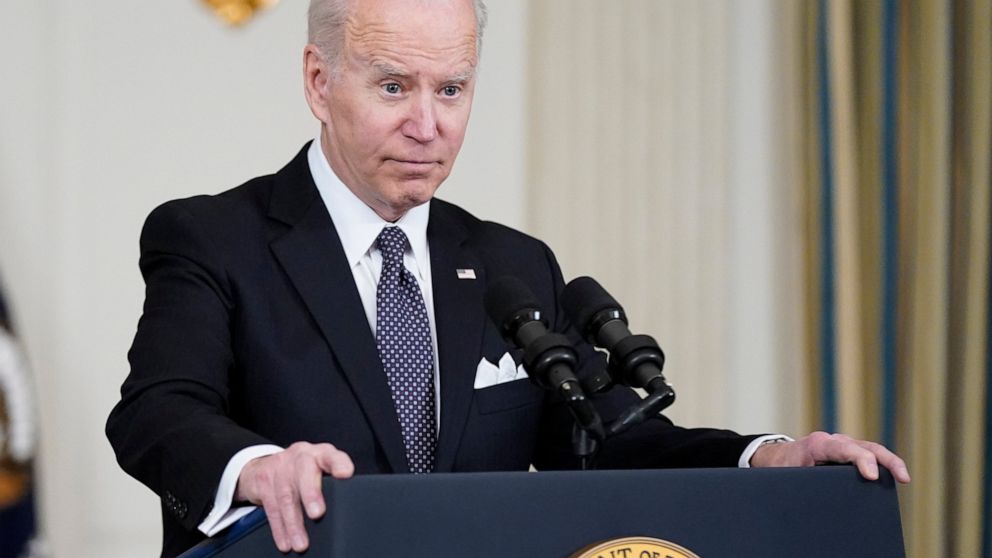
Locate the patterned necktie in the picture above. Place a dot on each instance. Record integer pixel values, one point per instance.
(403, 337)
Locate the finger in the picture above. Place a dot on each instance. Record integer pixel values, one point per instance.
(867, 465)
(889, 460)
(276, 525)
(308, 479)
(864, 460)
(257, 483)
(335, 462)
(288, 502)
(840, 449)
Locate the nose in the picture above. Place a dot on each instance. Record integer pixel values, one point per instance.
(421, 121)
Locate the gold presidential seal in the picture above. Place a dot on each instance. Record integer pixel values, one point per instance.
(635, 547)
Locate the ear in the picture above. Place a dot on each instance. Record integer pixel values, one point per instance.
(316, 78)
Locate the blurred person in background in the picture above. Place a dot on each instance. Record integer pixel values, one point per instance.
(18, 439)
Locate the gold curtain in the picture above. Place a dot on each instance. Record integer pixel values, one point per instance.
(898, 111)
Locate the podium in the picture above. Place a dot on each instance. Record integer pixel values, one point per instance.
(714, 513)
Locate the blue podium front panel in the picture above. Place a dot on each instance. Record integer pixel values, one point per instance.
(716, 513)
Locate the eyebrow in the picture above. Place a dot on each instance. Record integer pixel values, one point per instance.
(462, 77)
(392, 71)
(389, 70)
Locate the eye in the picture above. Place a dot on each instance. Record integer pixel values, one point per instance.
(451, 90)
(391, 88)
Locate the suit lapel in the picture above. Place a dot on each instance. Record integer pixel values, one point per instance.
(312, 255)
(460, 321)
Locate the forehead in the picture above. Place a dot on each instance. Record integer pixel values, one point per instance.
(413, 32)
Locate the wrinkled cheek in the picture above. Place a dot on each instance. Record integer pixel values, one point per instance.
(441, 174)
(456, 130)
(370, 152)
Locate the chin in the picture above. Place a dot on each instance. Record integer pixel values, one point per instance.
(417, 191)
(397, 205)
(409, 202)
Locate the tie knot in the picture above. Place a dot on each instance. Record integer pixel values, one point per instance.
(392, 243)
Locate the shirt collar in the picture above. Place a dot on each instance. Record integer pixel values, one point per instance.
(357, 224)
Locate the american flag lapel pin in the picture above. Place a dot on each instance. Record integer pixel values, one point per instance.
(465, 273)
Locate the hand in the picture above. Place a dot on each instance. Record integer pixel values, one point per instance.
(284, 481)
(819, 448)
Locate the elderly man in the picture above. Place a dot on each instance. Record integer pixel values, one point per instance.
(328, 319)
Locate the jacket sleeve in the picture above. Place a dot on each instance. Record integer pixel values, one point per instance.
(170, 429)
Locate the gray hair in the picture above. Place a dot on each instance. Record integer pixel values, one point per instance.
(326, 19)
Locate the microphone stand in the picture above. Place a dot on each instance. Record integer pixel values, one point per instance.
(657, 400)
(586, 446)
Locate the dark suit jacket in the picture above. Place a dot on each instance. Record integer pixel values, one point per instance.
(253, 332)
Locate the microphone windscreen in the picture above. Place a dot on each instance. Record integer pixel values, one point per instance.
(583, 298)
(506, 297)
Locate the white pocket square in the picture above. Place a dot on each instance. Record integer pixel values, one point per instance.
(488, 374)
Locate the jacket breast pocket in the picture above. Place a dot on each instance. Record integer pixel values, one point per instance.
(507, 396)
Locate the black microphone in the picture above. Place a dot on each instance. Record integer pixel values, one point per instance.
(549, 358)
(635, 360)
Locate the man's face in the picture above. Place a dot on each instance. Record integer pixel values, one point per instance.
(395, 110)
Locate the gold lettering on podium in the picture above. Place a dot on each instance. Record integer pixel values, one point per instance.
(635, 547)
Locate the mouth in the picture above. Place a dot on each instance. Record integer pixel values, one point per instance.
(414, 163)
